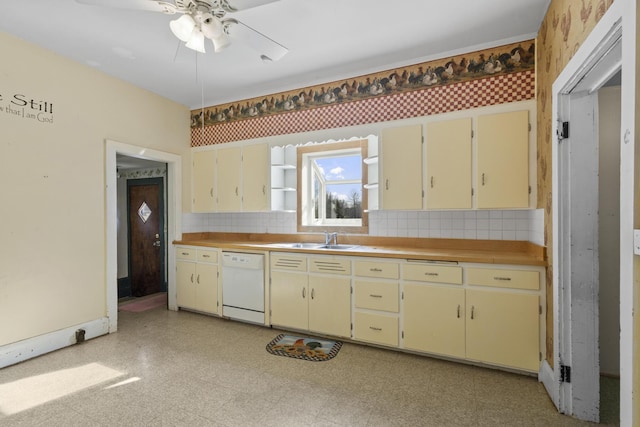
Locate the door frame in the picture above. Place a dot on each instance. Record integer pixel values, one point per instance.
(620, 20)
(161, 225)
(174, 218)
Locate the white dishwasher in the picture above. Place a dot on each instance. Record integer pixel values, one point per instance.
(243, 286)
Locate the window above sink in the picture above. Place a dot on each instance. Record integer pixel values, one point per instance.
(331, 193)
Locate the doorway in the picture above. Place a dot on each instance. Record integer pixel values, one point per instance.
(173, 201)
(586, 229)
(146, 241)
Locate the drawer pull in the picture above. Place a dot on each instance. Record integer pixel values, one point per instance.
(376, 270)
(185, 253)
(505, 279)
(373, 328)
(191, 277)
(206, 256)
(472, 312)
(430, 274)
(313, 293)
(458, 311)
(198, 279)
(375, 296)
(304, 292)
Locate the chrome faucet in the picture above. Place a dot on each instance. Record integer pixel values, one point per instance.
(328, 237)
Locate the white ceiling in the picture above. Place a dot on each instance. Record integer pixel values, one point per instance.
(328, 40)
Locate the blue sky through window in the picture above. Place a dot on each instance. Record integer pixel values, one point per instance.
(339, 169)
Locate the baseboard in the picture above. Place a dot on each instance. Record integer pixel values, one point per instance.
(20, 351)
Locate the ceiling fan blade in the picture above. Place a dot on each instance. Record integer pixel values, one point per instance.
(235, 5)
(266, 47)
(150, 5)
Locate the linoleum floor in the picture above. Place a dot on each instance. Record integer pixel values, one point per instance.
(165, 368)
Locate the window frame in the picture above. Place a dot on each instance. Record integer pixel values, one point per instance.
(304, 182)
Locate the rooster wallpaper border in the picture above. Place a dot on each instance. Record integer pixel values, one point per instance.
(505, 59)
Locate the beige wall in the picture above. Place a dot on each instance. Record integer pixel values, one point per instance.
(52, 183)
(609, 227)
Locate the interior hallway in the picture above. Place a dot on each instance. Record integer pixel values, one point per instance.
(165, 368)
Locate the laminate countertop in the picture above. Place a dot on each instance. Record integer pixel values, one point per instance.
(452, 250)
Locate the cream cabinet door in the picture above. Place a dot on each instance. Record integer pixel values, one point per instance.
(503, 328)
(206, 288)
(289, 299)
(203, 175)
(503, 160)
(185, 284)
(330, 305)
(255, 177)
(400, 183)
(229, 179)
(433, 319)
(448, 161)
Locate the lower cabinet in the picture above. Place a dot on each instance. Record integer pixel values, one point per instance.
(474, 312)
(309, 294)
(497, 325)
(502, 328)
(376, 302)
(433, 319)
(197, 279)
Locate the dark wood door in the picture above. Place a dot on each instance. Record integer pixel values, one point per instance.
(146, 235)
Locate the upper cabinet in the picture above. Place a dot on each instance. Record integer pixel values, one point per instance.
(503, 160)
(448, 160)
(231, 179)
(255, 178)
(492, 172)
(400, 185)
(204, 181)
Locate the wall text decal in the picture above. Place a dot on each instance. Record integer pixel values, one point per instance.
(24, 107)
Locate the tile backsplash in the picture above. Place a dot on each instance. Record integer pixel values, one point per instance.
(477, 224)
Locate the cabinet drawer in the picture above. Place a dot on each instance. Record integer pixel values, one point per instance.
(186, 253)
(376, 328)
(514, 279)
(208, 255)
(432, 273)
(288, 262)
(377, 295)
(330, 265)
(382, 270)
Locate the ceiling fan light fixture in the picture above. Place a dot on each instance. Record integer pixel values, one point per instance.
(221, 43)
(196, 41)
(183, 27)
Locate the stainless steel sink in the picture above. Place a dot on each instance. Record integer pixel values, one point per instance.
(319, 246)
(338, 247)
(298, 245)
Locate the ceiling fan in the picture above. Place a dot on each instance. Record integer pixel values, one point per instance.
(206, 19)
